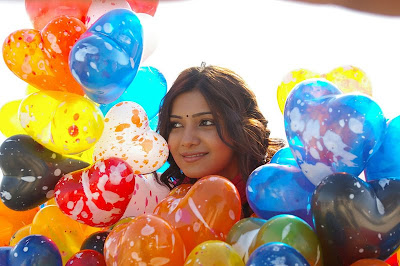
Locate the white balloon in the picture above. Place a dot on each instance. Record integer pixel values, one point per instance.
(150, 34)
(101, 7)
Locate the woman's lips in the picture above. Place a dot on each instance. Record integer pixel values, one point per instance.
(193, 157)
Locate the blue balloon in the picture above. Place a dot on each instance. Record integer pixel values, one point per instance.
(4, 254)
(147, 89)
(276, 253)
(274, 189)
(330, 132)
(35, 250)
(385, 163)
(284, 156)
(106, 58)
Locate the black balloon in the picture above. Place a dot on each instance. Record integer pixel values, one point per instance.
(95, 241)
(30, 172)
(355, 219)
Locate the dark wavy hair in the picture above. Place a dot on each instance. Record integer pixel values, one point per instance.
(234, 107)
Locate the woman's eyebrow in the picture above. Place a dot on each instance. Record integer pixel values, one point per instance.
(194, 115)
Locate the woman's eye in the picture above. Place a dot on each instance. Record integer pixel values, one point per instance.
(207, 123)
(175, 125)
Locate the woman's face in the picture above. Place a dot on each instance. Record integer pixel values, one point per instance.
(194, 142)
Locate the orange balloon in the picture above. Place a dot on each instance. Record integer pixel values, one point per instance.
(11, 221)
(206, 212)
(370, 262)
(21, 233)
(146, 239)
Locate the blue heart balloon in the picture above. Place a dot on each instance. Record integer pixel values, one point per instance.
(276, 253)
(330, 132)
(385, 163)
(34, 250)
(147, 89)
(274, 189)
(106, 58)
(284, 156)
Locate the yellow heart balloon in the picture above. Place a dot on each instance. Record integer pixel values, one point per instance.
(9, 120)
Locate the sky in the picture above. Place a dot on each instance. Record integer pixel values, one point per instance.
(261, 40)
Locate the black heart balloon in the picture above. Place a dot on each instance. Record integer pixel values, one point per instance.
(30, 172)
(356, 220)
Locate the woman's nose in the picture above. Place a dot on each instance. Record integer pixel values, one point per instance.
(190, 137)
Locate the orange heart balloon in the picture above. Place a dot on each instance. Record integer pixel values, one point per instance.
(206, 212)
(145, 240)
(41, 57)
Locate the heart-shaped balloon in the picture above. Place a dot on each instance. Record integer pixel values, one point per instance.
(214, 252)
(145, 240)
(127, 135)
(274, 189)
(9, 119)
(284, 156)
(31, 172)
(207, 211)
(347, 78)
(386, 161)
(356, 220)
(146, 196)
(97, 196)
(106, 58)
(330, 132)
(62, 122)
(144, 6)
(95, 241)
(41, 57)
(100, 7)
(86, 257)
(32, 250)
(41, 12)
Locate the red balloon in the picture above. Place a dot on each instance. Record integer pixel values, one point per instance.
(97, 195)
(42, 12)
(144, 6)
(86, 257)
(369, 262)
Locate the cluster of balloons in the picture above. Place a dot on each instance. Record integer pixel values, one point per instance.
(80, 160)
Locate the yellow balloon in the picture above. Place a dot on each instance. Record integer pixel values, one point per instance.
(62, 122)
(350, 79)
(213, 252)
(66, 233)
(290, 81)
(21, 233)
(30, 89)
(9, 120)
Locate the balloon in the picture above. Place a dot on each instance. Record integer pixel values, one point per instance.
(147, 89)
(284, 156)
(4, 254)
(369, 262)
(290, 81)
(86, 257)
(330, 132)
(146, 196)
(21, 233)
(106, 58)
(213, 252)
(347, 78)
(394, 260)
(95, 241)
(41, 57)
(274, 189)
(386, 161)
(207, 211)
(62, 122)
(127, 135)
(41, 12)
(9, 120)
(97, 195)
(242, 234)
(100, 7)
(145, 239)
(34, 250)
(356, 220)
(276, 253)
(66, 233)
(292, 231)
(350, 79)
(150, 34)
(31, 172)
(144, 6)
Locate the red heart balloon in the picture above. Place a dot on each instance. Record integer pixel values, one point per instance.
(97, 195)
(41, 12)
(41, 57)
(206, 212)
